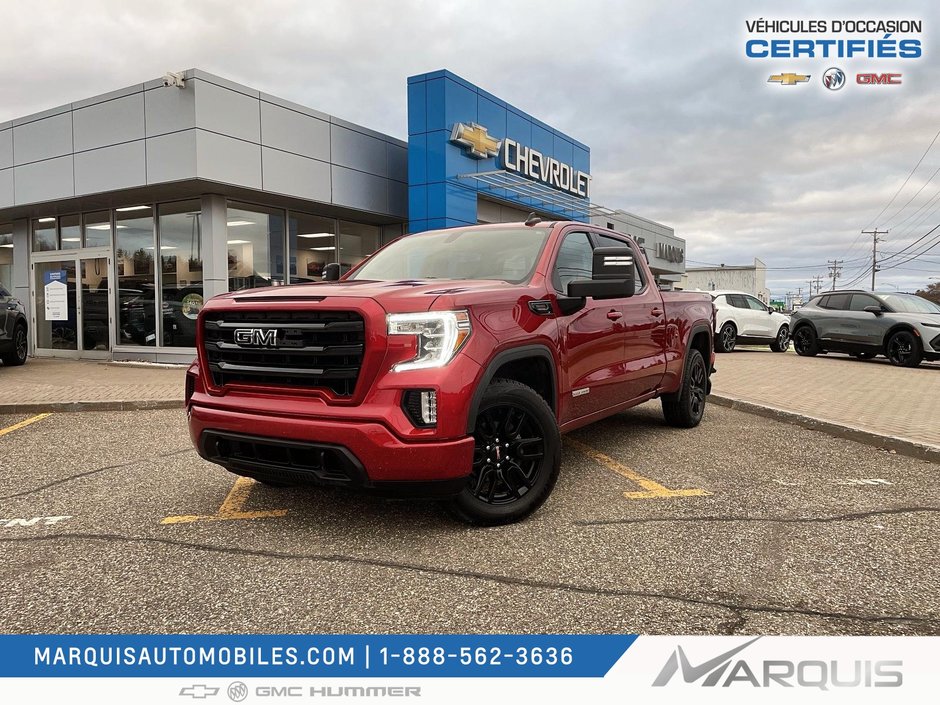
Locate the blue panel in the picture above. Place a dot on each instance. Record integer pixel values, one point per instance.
(417, 202)
(542, 140)
(417, 226)
(436, 119)
(437, 200)
(563, 150)
(438, 142)
(417, 159)
(417, 108)
(461, 203)
(454, 223)
(518, 128)
(457, 161)
(460, 103)
(436, 223)
(581, 160)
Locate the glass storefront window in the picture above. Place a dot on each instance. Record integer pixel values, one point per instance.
(98, 229)
(312, 242)
(44, 235)
(136, 292)
(356, 242)
(255, 246)
(181, 271)
(6, 255)
(70, 232)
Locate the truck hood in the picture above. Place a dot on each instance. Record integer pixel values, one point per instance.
(404, 296)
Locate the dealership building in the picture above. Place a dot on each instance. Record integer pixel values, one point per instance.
(122, 213)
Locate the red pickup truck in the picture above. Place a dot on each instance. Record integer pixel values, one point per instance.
(447, 364)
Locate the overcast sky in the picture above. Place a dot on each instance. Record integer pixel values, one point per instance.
(683, 128)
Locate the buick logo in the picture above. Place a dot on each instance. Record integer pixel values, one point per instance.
(237, 691)
(834, 79)
(256, 337)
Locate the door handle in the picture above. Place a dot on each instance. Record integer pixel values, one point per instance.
(614, 315)
(657, 312)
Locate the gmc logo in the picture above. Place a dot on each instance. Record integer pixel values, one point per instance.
(878, 79)
(258, 337)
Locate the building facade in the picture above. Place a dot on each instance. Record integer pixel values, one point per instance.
(146, 201)
(750, 278)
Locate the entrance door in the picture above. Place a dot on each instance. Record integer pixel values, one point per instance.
(72, 306)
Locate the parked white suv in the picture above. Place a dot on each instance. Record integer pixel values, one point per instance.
(744, 319)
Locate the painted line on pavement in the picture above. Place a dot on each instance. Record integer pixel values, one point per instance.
(21, 424)
(233, 507)
(651, 488)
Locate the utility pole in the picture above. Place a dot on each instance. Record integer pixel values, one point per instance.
(835, 269)
(874, 251)
(799, 294)
(818, 282)
(815, 283)
(789, 299)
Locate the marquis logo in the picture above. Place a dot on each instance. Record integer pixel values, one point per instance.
(475, 139)
(789, 79)
(834, 79)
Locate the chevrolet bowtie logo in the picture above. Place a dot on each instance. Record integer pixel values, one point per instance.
(475, 139)
(199, 691)
(788, 79)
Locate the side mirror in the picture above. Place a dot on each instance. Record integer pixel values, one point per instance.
(611, 275)
(331, 272)
(874, 309)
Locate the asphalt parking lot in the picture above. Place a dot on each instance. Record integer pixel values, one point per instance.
(109, 522)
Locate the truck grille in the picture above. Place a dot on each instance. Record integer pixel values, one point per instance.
(306, 349)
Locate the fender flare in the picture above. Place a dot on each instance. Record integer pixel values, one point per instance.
(896, 328)
(695, 330)
(501, 359)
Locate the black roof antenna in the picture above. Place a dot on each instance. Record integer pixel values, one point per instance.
(533, 219)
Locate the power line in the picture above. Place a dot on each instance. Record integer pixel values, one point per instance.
(874, 251)
(835, 269)
(905, 181)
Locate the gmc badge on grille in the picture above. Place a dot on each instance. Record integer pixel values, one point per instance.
(258, 337)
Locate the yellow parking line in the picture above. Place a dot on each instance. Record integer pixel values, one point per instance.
(232, 507)
(651, 488)
(21, 424)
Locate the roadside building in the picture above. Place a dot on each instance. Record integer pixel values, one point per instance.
(751, 278)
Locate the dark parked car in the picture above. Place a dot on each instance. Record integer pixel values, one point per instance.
(902, 327)
(14, 345)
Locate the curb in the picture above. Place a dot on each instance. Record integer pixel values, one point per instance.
(914, 449)
(70, 406)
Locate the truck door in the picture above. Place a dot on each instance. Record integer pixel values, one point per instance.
(644, 321)
(591, 338)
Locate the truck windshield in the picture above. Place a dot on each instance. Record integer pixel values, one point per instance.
(506, 254)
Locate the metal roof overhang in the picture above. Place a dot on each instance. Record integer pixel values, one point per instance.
(540, 195)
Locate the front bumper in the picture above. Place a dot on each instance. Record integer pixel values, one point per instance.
(359, 454)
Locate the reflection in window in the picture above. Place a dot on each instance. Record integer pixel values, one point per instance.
(356, 242)
(312, 246)
(255, 247)
(134, 261)
(181, 270)
(70, 232)
(98, 229)
(44, 235)
(6, 255)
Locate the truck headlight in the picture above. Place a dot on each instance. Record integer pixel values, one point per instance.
(440, 335)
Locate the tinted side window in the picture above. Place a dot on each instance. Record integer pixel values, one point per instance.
(860, 301)
(821, 302)
(575, 260)
(755, 304)
(638, 280)
(737, 301)
(839, 302)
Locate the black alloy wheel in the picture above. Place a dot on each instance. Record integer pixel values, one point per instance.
(903, 350)
(727, 337)
(804, 342)
(20, 347)
(516, 456)
(686, 407)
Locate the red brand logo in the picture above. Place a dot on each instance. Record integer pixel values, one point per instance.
(878, 79)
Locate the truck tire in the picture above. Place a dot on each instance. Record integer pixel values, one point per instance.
(17, 356)
(516, 458)
(685, 408)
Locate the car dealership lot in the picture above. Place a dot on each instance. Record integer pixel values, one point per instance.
(743, 525)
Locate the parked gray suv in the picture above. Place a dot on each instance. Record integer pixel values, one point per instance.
(13, 339)
(902, 327)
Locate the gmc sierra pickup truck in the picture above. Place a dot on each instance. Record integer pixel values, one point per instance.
(446, 364)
